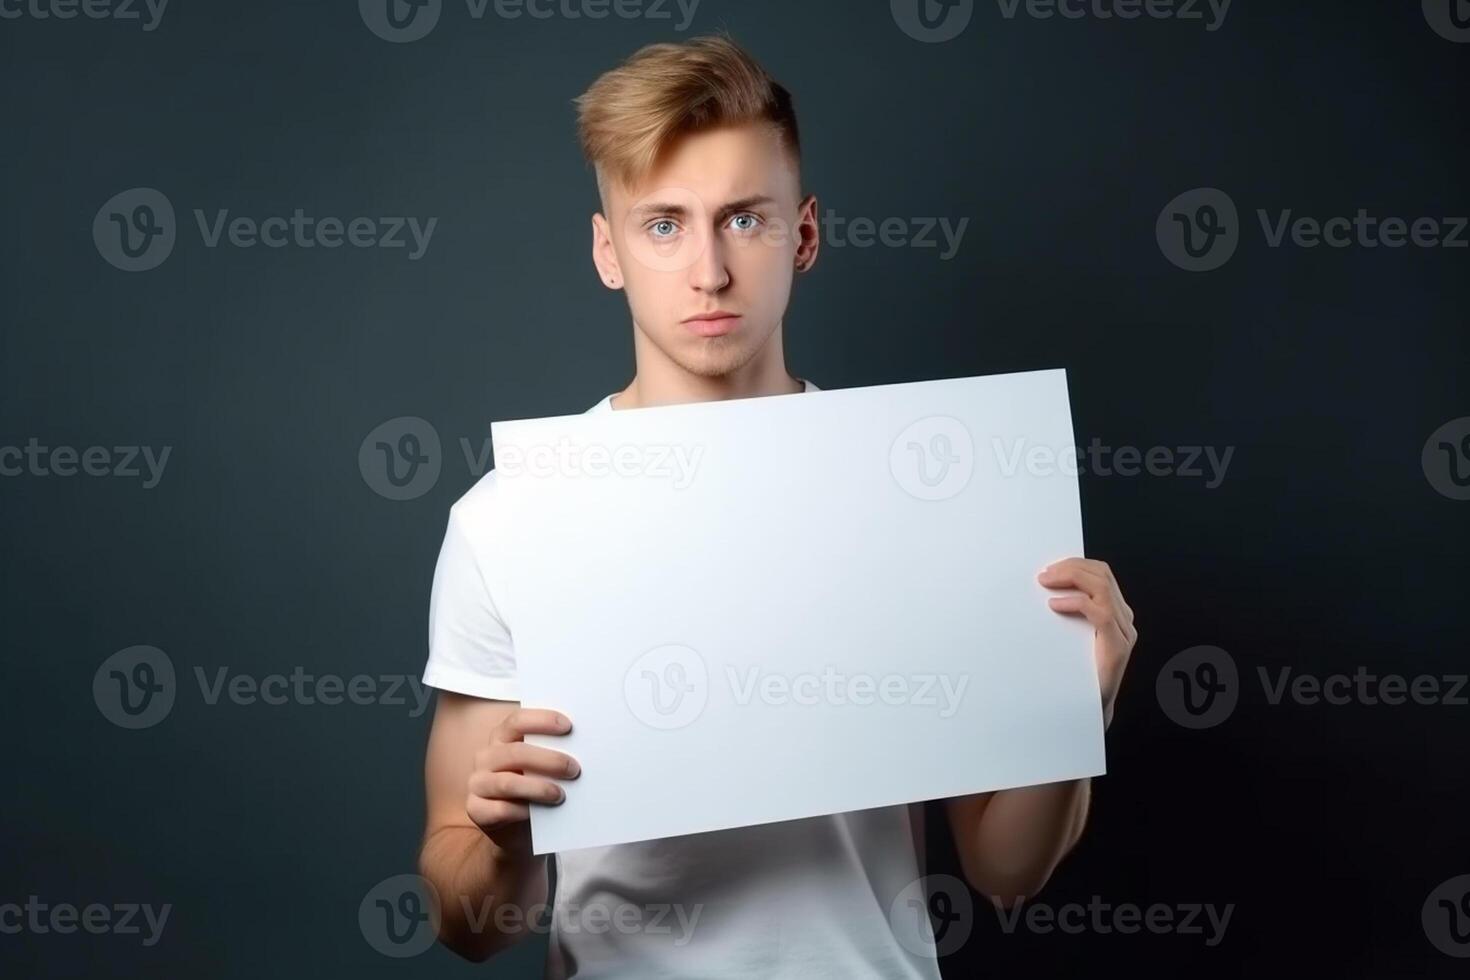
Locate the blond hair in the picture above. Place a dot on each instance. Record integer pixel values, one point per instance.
(632, 115)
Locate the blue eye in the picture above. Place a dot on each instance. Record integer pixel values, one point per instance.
(663, 228)
(751, 220)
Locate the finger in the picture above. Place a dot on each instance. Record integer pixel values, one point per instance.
(1100, 615)
(1092, 565)
(1093, 577)
(494, 813)
(526, 758)
(515, 787)
(1076, 577)
(531, 721)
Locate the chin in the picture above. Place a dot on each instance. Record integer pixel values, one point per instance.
(712, 357)
(715, 357)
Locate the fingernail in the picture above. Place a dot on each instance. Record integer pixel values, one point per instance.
(575, 769)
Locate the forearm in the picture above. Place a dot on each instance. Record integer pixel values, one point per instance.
(487, 894)
(1013, 845)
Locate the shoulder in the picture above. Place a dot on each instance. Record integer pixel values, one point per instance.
(475, 514)
(478, 508)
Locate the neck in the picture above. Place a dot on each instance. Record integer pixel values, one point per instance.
(660, 381)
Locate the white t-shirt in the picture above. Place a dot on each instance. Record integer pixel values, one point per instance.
(805, 899)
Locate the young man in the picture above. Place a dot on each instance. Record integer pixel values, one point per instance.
(703, 226)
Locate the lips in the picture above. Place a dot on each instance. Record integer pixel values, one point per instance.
(712, 324)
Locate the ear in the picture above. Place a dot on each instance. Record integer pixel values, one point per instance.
(808, 234)
(604, 255)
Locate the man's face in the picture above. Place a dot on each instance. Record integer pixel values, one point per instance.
(717, 228)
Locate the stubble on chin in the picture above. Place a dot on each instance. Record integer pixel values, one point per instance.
(716, 357)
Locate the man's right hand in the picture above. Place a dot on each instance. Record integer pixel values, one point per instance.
(480, 779)
(509, 775)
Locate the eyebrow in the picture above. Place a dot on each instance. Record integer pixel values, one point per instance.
(649, 210)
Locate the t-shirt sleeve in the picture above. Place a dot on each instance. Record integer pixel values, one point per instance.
(470, 650)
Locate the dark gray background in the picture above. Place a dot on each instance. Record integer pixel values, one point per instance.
(264, 549)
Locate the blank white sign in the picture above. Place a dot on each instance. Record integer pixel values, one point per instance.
(775, 608)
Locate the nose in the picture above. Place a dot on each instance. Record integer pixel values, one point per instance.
(709, 273)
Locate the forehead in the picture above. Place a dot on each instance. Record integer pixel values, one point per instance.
(718, 166)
